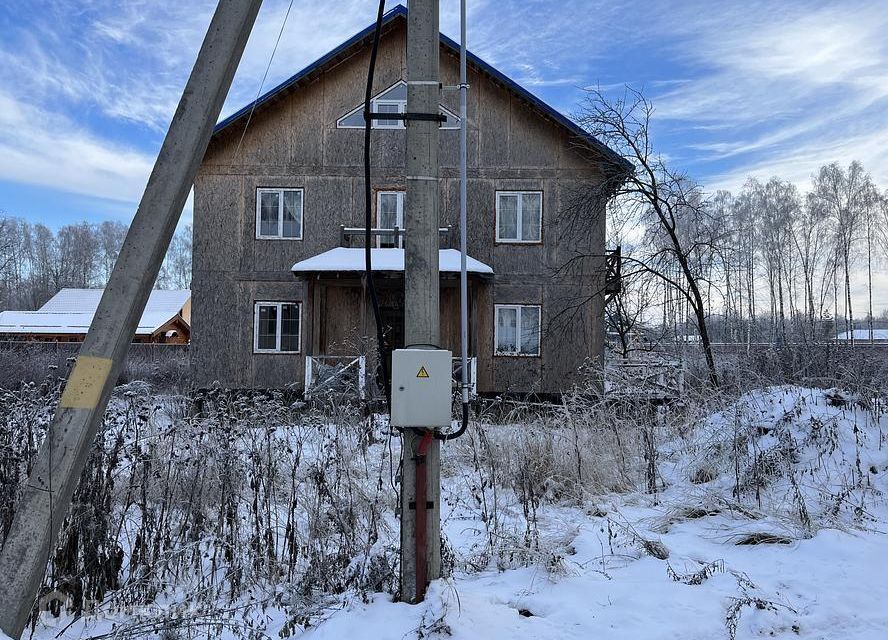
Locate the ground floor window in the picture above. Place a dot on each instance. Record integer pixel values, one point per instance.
(277, 327)
(517, 331)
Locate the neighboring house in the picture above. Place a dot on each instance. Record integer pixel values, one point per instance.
(68, 314)
(278, 263)
(863, 336)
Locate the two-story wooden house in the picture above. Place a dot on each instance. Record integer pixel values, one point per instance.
(277, 272)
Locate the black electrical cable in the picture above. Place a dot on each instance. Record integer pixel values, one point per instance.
(368, 221)
(462, 427)
(368, 217)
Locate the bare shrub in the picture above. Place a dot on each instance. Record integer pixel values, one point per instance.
(244, 499)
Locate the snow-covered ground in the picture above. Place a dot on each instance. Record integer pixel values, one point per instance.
(827, 581)
(801, 473)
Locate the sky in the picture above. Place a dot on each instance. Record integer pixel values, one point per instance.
(87, 88)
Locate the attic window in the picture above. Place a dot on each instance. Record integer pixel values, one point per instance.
(391, 100)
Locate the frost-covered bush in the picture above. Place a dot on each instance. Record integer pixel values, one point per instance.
(807, 456)
(223, 500)
(165, 367)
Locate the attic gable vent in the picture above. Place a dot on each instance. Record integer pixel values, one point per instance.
(391, 100)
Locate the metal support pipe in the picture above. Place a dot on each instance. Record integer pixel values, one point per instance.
(463, 188)
(46, 496)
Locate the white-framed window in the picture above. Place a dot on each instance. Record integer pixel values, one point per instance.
(517, 330)
(279, 214)
(519, 216)
(277, 327)
(390, 100)
(390, 214)
(389, 106)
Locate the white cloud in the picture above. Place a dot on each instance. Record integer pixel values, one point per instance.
(764, 86)
(782, 89)
(42, 148)
(82, 66)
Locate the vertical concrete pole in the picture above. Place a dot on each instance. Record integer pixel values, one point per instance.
(47, 495)
(421, 280)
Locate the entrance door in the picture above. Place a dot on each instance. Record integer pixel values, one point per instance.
(391, 311)
(391, 308)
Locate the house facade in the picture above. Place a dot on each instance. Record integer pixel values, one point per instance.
(279, 215)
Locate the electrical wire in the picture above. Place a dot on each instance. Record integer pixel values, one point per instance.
(264, 77)
(368, 259)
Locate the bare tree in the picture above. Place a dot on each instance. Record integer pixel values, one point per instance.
(175, 273)
(656, 194)
(778, 204)
(628, 309)
(810, 237)
(111, 237)
(846, 197)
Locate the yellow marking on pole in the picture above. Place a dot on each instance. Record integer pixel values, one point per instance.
(422, 373)
(85, 383)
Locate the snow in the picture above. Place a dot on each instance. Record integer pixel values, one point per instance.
(593, 577)
(72, 311)
(87, 301)
(829, 585)
(352, 259)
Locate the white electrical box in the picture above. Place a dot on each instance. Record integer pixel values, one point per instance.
(422, 381)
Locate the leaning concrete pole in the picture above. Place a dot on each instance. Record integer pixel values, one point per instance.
(421, 282)
(60, 461)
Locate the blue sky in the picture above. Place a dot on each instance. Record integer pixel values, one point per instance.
(740, 88)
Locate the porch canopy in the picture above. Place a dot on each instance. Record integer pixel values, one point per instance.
(351, 259)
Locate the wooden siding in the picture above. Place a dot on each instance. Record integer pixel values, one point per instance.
(295, 143)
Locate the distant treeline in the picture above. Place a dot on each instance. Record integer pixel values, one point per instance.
(35, 262)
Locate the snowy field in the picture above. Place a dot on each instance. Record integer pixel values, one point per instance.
(769, 520)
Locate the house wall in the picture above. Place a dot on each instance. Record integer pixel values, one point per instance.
(295, 143)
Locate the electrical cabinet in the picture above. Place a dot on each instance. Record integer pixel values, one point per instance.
(422, 381)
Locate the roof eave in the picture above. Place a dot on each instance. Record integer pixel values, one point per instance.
(296, 78)
(622, 165)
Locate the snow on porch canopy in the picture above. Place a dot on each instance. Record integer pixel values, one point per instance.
(344, 259)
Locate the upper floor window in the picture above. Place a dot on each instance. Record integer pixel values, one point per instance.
(519, 216)
(277, 327)
(391, 100)
(279, 214)
(517, 330)
(390, 215)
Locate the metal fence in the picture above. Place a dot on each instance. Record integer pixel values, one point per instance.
(348, 375)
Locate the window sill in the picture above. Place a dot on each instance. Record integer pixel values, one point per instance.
(526, 242)
(275, 352)
(503, 354)
(276, 238)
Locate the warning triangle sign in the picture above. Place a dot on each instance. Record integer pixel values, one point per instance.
(422, 373)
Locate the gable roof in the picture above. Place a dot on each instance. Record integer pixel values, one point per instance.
(71, 311)
(399, 12)
(87, 301)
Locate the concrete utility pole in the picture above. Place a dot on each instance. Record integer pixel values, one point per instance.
(421, 286)
(47, 494)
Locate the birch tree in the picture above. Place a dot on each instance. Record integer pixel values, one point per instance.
(845, 196)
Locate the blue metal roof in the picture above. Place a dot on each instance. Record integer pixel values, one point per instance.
(400, 12)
